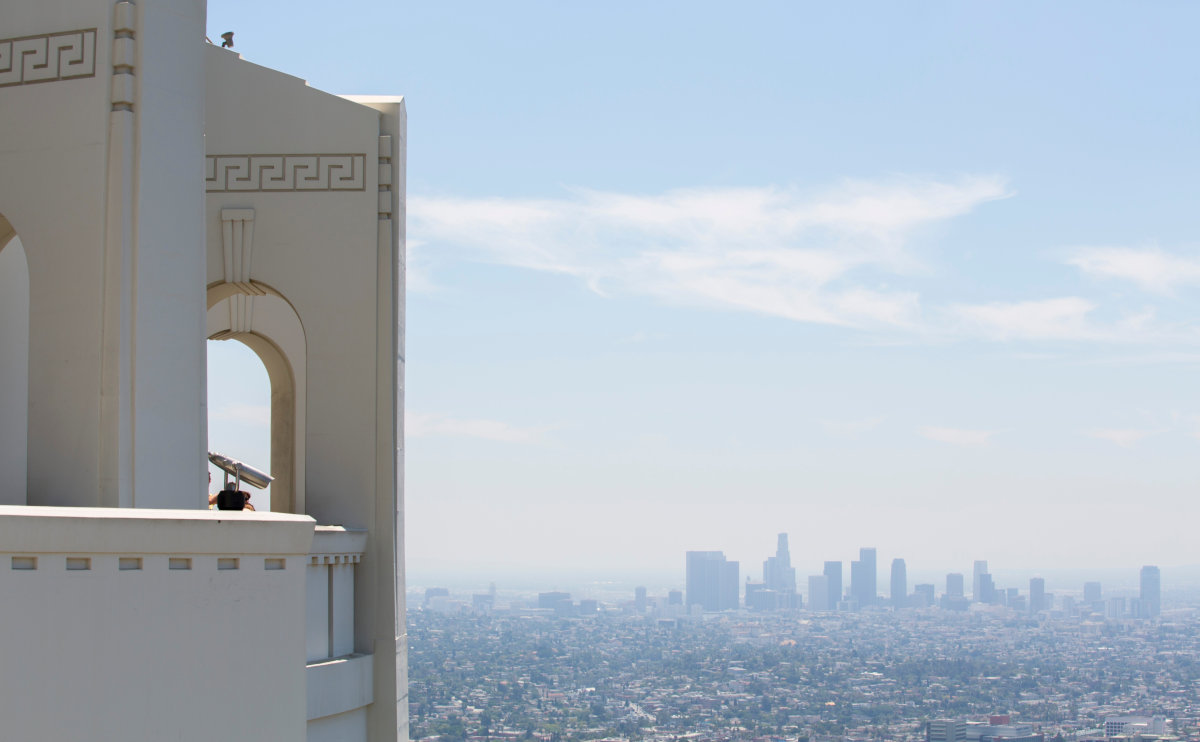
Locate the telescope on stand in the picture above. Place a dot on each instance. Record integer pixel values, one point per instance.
(231, 496)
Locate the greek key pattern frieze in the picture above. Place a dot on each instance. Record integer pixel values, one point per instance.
(285, 173)
(68, 55)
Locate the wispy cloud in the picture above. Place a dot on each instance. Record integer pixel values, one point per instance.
(1123, 437)
(1150, 268)
(245, 414)
(1046, 319)
(780, 252)
(424, 425)
(1061, 318)
(957, 436)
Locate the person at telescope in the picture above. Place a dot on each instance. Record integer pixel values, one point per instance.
(212, 497)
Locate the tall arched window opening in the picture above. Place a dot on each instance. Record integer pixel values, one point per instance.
(268, 338)
(239, 412)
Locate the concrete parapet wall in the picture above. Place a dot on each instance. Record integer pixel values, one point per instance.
(152, 624)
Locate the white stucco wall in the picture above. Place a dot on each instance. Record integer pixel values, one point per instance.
(137, 647)
(333, 250)
(103, 182)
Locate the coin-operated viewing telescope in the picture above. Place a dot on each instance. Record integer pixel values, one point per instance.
(231, 496)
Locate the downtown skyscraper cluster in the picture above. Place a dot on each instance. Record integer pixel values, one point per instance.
(713, 585)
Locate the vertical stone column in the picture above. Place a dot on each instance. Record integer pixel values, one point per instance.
(153, 381)
(381, 614)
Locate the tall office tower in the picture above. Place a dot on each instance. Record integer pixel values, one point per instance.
(675, 597)
(899, 584)
(833, 576)
(1092, 593)
(923, 594)
(1037, 595)
(986, 588)
(730, 585)
(857, 578)
(778, 573)
(863, 576)
(1151, 593)
(954, 584)
(712, 582)
(976, 588)
(818, 593)
(946, 730)
(639, 599)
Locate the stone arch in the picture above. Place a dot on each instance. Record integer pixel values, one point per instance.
(14, 367)
(260, 318)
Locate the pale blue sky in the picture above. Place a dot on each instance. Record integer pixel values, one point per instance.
(914, 276)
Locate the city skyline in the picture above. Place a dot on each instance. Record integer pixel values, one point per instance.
(874, 272)
(716, 583)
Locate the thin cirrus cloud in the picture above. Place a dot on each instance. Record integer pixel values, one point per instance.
(1150, 268)
(772, 251)
(426, 425)
(1062, 318)
(1045, 319)
(957, 436)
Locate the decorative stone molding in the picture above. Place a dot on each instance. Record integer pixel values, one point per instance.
(385, 176)
(124, 56)
(237, 237)
(320, 559)
(284, 173)
(66, 55)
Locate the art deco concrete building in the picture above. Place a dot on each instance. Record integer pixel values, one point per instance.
(157, 191)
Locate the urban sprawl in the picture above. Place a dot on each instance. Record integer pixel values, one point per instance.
(709, 664)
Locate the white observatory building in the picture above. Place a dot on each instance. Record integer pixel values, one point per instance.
(158, 191)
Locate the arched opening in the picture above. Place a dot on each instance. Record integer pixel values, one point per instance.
(239, 412)
(14, 367)
(267, 326)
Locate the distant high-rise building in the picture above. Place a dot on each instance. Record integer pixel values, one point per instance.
(863, 575)
(675, 597)
(639, 599)
(818, 594)
(833, 576)
(778, 573)
(758, 597)
(1114, 608)
(986, 588)
(1037, 594)
(431, 593)
(483, 602)
(1151, 592)
(730, 586)
(923, 594)
(554, 600)
(946, 730)
(1092, 593)
(712, 581)
(980, 568)
(954, 599)
(954, 584)
(899, 583)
